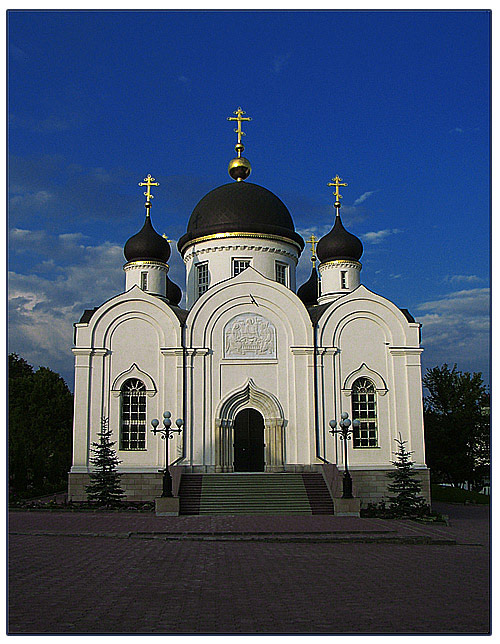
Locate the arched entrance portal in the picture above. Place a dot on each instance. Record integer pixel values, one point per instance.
(260, 408)
(248, 441)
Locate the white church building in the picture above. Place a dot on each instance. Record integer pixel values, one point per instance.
(255, 367)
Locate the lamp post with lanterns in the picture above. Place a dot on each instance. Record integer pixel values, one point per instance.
(345, 431)
(167, 432)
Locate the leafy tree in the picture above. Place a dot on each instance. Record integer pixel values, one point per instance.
(104, 487)
(457, 427)
(406, 499)
(40, 429)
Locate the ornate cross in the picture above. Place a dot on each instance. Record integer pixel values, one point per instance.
(148, 181)
(239, 112)
(337, 182)
(314, 242)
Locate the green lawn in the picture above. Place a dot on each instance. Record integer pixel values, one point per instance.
(457, 495)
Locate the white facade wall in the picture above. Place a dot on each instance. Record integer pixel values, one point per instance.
(248, 342)
(155, 272)
(338, 277)
(219, 254)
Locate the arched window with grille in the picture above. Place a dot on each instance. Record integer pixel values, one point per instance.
(364, 409)
(133, 415)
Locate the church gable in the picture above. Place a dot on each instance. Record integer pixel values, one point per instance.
(279, 315)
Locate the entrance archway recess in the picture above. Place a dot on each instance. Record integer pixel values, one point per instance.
(268, 405)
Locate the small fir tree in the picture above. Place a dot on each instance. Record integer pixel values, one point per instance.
(406, 499)
(104, 487)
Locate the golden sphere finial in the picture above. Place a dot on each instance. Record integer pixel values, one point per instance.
(239, 168)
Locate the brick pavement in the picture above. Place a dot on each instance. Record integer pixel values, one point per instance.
(84, 584)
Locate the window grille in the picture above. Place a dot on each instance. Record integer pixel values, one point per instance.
(364, 408)
(239, 265)
(281, 273)
(144, 281)
(202, 278)
(133, 399)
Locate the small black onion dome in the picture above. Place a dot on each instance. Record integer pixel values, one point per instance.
(339, 244)
(147, 244)
(240, 207)
(174, 293)
(309, 291)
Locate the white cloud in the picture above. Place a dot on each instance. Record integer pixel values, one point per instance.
(317, 231)
(462, 278)
(377, 237)
(455, 328)
(44, 304)
(363, 197)
(71, 277)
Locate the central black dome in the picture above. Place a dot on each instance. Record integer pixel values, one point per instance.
(240, 207)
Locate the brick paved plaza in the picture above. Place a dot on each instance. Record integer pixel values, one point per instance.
(124, 573)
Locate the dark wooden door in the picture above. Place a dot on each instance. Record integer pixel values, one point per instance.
(249, 441)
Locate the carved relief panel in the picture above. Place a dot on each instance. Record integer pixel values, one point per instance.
(249, 336)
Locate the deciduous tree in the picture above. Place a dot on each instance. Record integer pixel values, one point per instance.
(40, 429)
(457, 429)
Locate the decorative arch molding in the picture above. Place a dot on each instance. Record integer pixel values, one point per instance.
(134, 372)
(365, 372)
(274, 422)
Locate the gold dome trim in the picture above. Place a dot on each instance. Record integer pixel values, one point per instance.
(250, 235)
(145, 262)
(340, 262)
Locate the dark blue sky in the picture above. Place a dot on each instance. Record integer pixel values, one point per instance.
(396, 103)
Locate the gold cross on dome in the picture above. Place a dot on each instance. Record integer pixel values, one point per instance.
(239, 117)
(314, 242)
(337, 182)
(149, 181)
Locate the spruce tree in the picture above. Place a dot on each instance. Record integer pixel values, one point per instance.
(104, 487)
(406, 499)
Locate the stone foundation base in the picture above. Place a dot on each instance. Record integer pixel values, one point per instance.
(137, 487)
(371, 485)
(346, 507)
(167, 506)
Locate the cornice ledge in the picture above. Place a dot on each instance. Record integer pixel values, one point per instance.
(198, 351)
(320, 351)
(89, 351)
(405, 351)
(171, 351)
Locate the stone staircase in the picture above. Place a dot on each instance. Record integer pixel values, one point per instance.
(254, 493)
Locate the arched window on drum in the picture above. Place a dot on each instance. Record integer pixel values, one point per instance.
(133, 415)
(364, 409)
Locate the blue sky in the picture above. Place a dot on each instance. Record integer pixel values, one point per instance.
(396, 103)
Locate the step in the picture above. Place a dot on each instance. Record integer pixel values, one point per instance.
(255, 493)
